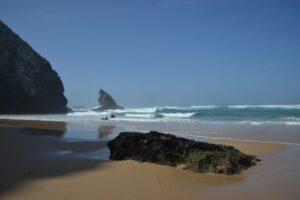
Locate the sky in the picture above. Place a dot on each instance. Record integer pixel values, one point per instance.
(166, 52)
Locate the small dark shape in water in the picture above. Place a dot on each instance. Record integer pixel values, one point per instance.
(167, 149)
(105, 118)
(112, 116)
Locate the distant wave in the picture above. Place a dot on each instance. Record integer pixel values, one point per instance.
(86, 113)
(258, 123)
(189, 107)
(265, 106)
(177, 115)
(135, 110)
(291, 119)
(140, 115)
(292, 123)
(204, 107)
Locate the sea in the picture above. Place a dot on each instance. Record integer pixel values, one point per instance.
(267, 123)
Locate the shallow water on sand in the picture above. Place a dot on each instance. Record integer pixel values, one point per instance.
(93, 128)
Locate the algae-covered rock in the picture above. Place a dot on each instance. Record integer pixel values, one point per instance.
(167, 149)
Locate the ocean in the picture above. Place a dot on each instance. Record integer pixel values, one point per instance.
(272, 123)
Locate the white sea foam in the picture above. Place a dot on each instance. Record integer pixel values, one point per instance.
(81, 109)
(257, 123)
(177, 115)
(265, 106)
(139, 115)
(171, 107)
(133, 119)
(292, 123)
(204, 107)
(135, 110)
(297, 119)
(193, 107)
(88, 113)
(274, 106)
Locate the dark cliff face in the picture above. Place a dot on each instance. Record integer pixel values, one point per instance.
(107, 102)
(28, 84)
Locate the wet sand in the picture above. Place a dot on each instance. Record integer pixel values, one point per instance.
(28, 171)
(254, 148)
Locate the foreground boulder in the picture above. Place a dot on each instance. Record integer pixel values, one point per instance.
(170, 150)
(28, 84)
(107, 102)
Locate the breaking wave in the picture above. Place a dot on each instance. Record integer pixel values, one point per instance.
(177, 115)
(251, 114)
(255, 115)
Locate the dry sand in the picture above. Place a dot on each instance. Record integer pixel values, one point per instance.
(27, 173)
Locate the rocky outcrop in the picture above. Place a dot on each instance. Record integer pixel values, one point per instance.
(107, 102)
(170, 150)
(28, 84)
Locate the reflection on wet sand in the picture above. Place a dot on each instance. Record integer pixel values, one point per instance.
(37, 128)
(46, 125)
(105, 130)
(42, 132)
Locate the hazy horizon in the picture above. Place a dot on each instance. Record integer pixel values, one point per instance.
(166, 52)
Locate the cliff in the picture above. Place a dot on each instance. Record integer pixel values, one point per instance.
(28, 84)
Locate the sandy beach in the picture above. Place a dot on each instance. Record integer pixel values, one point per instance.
(150, 100)
(35, 165)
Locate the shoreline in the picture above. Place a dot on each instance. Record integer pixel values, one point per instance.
(62, 126)
(82, 178)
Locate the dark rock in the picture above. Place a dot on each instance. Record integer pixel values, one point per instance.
(28, 84)
(170, 150)
(107, 102)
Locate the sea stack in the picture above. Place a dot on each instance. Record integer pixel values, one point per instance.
(28, 84)
(107, 102)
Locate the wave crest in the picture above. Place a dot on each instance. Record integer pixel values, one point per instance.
(177, 115)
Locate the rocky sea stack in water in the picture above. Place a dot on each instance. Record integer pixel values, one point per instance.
(28, 84)
(170, 150)
(107, 102)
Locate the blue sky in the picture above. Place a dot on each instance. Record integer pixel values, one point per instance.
(166, 52)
